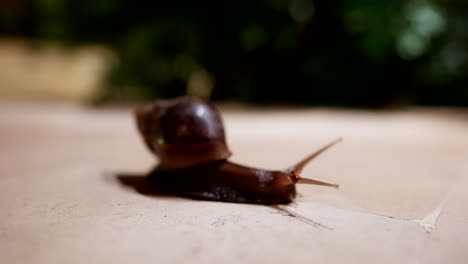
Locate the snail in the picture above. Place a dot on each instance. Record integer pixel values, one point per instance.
(187, 135)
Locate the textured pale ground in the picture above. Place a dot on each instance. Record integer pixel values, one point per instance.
(61, 200)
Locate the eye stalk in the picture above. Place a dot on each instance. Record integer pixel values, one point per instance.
(295, 171)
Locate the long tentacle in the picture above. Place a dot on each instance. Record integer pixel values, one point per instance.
(295, 170)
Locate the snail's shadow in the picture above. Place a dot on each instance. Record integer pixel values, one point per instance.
(140, 184)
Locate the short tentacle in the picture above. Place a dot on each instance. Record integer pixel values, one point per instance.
(295, 170)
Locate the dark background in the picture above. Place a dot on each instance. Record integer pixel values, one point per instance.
(342, 53)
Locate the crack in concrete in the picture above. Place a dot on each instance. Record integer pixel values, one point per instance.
(300, 217)
(428, 222)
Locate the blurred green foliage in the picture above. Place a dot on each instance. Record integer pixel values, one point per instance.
(325, 52)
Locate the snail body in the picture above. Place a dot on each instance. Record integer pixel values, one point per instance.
(187, 135)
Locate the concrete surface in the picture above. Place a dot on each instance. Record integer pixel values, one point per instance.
(72, 190)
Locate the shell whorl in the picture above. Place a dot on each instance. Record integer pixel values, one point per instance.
(182, 132)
